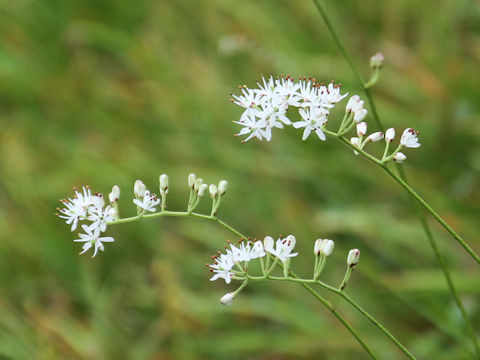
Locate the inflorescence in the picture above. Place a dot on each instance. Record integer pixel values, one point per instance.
(234, 263)
(266, 108)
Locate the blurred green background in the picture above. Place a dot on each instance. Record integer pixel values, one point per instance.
(107, 92)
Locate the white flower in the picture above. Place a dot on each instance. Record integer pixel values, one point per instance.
(313, 120)
(222, 268)
(148, 202)
(410, 138)
(399, 157)
(222, 187)
(76, 208)
(333, 93)
(100, 217)
(286, 89)
(163, 179)
(376, 136)
(355, 106)
(390, 135)
(246, 251)
(252, 127)
(359, 115)
(308, 92)
(283, 249)
(91, 238)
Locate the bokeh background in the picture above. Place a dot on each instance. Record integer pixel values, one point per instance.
(107, 92)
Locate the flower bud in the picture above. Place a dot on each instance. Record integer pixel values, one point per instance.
(222, 187)
(268, 243)
(375, 136)
(399, 157)
(201, 190)
(114, 195)
(356, 141)
(327, 247)
(353, 257)
(361, 128)
(227, 299)
(163, 182)
(191, 180)
(213, 190)
(317, 248)
(139, 189)
(112, 212)
(197, 184)
(376, 61)
(360, 114)
(390, 135)
(352, 102)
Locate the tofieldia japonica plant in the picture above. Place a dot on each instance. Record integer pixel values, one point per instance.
(274, 104)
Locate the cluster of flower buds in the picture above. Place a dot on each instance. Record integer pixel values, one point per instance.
(233, 263)
(409, 139)
(266, 107)
(198, 189)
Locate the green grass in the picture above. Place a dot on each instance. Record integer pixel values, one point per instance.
(105, 92)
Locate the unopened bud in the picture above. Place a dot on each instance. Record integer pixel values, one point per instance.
(360, 114)
(353, 257)
(399, 157)
(139, 189)
(202, 189)
(327, 247)
(164, 182)
(191, 179)
(227, 299)
(352, 102)
(268, 243)
(222, 187)
(112, 212)
(213, 190)
(390, 135)
(317, 248)
(377, 136)
(197, 184)
(114, 195)
(376, 61)
(361, 128)
(356, 141)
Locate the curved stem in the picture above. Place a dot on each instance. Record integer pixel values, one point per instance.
(232, 230)
(330, 307)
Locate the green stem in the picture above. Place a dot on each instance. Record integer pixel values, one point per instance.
(446, 272)
(366, 88)
(330, 307)
(239, 234)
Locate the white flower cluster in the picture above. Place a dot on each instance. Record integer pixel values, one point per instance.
(249, 250)
(87, 207)
(266, 107)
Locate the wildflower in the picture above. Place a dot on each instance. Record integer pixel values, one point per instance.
(222, 268)
(77, 207)
(410, 138)
(100, 217)
(283, 249)
(148, 202)
(313, 119)
(246, 251)
(91, 238)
